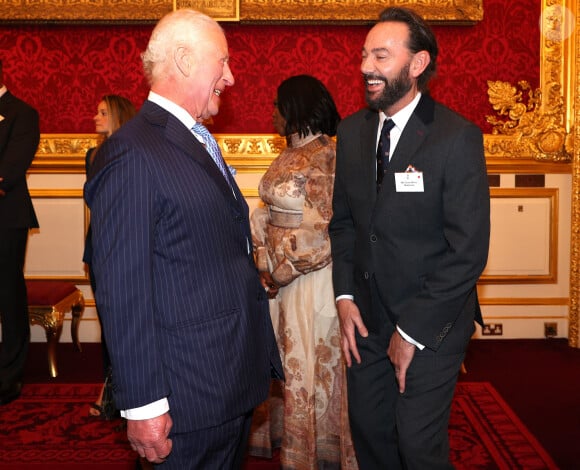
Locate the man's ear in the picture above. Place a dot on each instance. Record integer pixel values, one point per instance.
(419, 63)
(182, 58)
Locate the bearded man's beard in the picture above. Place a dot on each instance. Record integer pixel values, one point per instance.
(393, 91)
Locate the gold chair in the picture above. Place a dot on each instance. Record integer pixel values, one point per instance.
(48, 302)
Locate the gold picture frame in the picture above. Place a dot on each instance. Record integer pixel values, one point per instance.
(536, 210)
(247, 11)
(63, 231)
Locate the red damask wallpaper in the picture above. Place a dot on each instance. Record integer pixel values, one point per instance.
(64, 70)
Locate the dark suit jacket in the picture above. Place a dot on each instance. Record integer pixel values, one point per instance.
(419, 253)
(88, 251)
(184, 313)
(19, 138)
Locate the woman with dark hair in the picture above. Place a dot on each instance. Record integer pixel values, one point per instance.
(112, 112)
(306, 415)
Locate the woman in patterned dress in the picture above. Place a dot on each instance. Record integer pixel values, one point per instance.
(306, 416)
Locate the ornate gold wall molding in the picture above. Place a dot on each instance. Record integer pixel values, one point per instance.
(573, 75)
(534, 128)
(250, 11)
(346, 11)
(110, 11)
(65, 153)
(62, 153)
(536, 124)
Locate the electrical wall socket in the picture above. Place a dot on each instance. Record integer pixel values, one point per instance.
(492, 329)
(550, 329)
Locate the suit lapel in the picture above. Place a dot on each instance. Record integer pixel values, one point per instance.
(179, 135)
(369, 152)
(413, 135)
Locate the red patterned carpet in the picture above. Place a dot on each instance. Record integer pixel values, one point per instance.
(48, 428)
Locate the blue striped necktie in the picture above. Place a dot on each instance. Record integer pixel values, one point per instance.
(212, 147)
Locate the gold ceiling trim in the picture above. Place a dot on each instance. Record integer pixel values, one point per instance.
(363, 11)
(248, 11)
(110, 11)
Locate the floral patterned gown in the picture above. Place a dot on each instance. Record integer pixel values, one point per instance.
(307, 415)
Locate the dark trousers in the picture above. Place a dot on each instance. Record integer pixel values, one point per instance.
(401, 431)
(13, 306)
(221, 447)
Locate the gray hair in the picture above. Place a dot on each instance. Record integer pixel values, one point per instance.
(180, 27)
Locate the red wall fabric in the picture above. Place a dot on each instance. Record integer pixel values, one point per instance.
(64, 70)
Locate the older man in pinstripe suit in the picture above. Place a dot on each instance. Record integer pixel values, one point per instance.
(185, 317)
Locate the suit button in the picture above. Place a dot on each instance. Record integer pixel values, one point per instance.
(373, 238)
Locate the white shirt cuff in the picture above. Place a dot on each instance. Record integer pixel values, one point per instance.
(152, 410)
(407, 338)
(345, 296)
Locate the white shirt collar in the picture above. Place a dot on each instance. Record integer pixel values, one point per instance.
(400, 118)
(172, 108)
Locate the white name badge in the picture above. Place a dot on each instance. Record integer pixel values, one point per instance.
(409, 182)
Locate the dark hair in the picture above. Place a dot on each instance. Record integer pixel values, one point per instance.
(421, 38)
(307, 106)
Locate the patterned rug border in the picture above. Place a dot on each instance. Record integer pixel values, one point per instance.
(481, 421)
(501, 432)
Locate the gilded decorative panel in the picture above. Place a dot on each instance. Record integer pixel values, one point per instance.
(436, 11)
(131, 11)
(107, 11)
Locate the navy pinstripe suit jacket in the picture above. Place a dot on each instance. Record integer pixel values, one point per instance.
(183, 311)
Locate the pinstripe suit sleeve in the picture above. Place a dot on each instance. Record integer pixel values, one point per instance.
(122, 211)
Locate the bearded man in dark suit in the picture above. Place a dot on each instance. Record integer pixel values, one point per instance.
(185, 317)
(19, 138)
(410, 235)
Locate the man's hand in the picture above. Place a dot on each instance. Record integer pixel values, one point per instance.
(149, 437)
(269, 284)
(401, 354)
(350, 321)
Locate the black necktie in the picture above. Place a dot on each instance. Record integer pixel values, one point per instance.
(383, 150)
